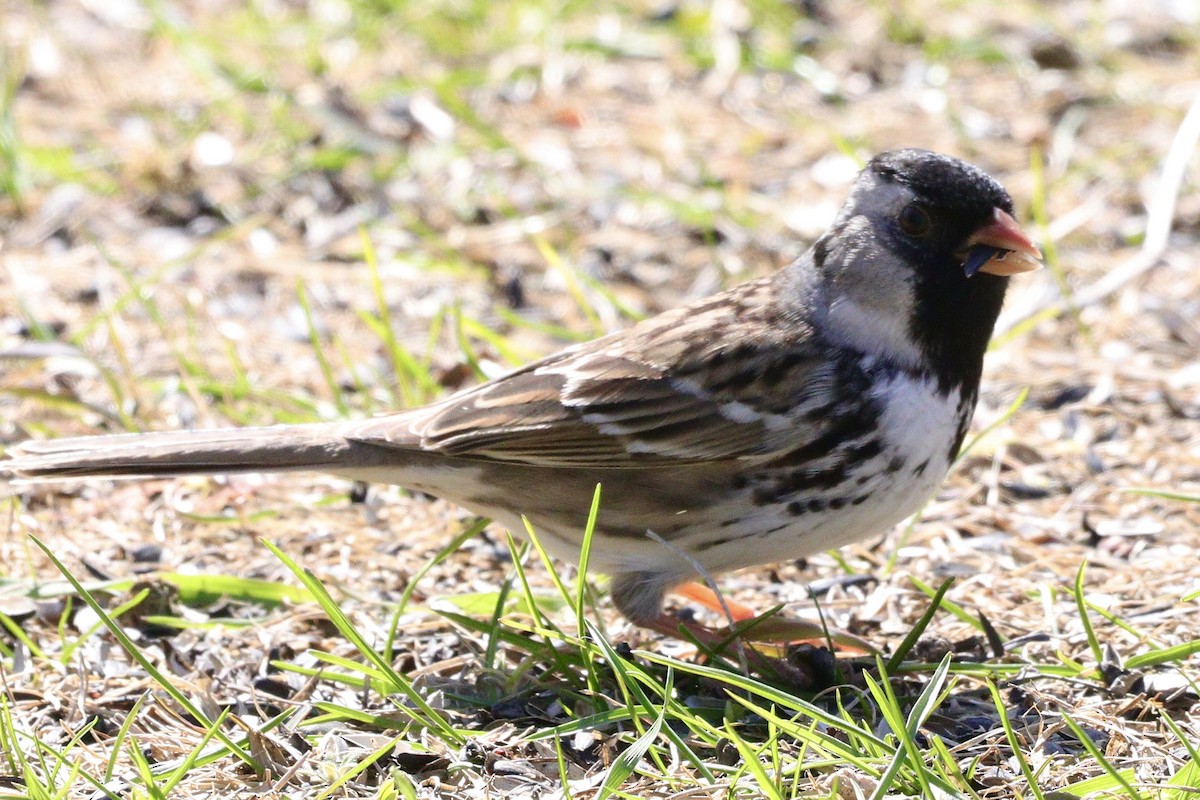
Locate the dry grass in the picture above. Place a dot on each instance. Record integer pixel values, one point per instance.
(177, 176)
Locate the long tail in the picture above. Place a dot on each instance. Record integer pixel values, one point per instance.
(271, 449)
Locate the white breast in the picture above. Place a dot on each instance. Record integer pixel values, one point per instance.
(919, 425)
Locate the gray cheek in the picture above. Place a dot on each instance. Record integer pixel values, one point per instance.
(882, 284)
(866, 271)
(874, 279)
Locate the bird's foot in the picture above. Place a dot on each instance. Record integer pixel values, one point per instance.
(772, 628)
(814, 669)
(797, 652)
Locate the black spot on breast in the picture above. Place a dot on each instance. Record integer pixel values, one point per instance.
(862, 498)
(956, 445)
(920, 468)
(866, 450)
(797, 481)
(836, 503)
(795, 508)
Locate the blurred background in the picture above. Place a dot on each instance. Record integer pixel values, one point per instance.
(531, 165)
(278, 211)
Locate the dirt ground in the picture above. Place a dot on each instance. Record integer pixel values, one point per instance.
(190, 194)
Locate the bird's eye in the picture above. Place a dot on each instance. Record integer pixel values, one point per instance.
(915, 220)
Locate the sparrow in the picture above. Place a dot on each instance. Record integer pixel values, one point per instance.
(785, 416)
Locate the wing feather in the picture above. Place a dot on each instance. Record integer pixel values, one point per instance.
(639, 397)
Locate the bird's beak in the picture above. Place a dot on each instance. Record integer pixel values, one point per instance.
(1000, 248)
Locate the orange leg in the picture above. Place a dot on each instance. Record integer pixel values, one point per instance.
(730, 644)
(701, 595)
(776, 628)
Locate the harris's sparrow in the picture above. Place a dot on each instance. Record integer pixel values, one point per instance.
(785, 416)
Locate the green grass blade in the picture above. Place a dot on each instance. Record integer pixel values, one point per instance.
(625, 763)
(136, 654)
(318, 349)
(394, 682)
(1014, 743)
(1084, 618)
(910, 640)
(1095, 752)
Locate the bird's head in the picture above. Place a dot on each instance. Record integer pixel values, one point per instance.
(917, 262)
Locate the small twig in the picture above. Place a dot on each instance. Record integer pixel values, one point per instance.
(1162, 205)
(1160, 216)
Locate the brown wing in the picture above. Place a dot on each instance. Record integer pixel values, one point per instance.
(694, 386)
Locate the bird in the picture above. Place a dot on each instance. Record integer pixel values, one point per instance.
(788, 415)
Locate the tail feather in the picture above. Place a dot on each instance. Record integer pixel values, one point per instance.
(271, 449)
